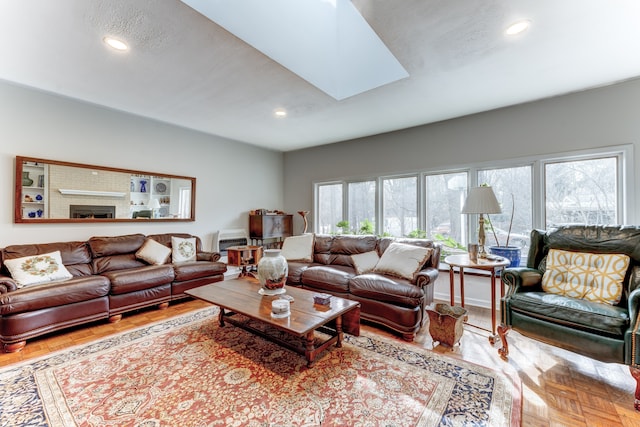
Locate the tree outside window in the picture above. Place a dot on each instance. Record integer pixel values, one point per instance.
(400, 205)
(583, 191)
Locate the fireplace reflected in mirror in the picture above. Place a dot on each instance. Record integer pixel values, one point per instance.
(92, 211)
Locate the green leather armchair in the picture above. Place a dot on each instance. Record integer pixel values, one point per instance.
(608, 333)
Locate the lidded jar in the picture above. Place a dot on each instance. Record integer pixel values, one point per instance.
(272, 272)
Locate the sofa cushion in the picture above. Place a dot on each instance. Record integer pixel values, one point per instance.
(572, 312)
(116, 262)
(381, 288)
(115, 245)
(402, 260)
(54, 294)
(294, 275)
(333, 278)
(135, 279)
(153, 252)
(322, 249)
(342, 247)
(196, 269)
(298, 248)
(76, 256)
(183, 249)
(37, 269)
(365, 262)
(590, 276)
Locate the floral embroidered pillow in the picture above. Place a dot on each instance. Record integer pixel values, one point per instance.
(37, 269)
(183, 249)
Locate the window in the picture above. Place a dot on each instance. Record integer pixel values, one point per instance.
(591, 187)
(445, 194)
(400, 205)
(582, 191)
(512, 187)
(362, 206)
(328, 207)
(184, 202)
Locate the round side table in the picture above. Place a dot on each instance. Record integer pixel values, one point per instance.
(492, 265)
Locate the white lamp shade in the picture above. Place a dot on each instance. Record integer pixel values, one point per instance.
(481, 200)
(154, 204)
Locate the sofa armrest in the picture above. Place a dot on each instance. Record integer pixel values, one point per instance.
(634, 307)
(7, 284)
(208, 256)
(426, 276)
(519, 278)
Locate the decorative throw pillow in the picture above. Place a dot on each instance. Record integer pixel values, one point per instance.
(365, 262)
(584, 275)
(37, 269)
(298, 248)
(402, 260)
(153, 252)
(183, 249)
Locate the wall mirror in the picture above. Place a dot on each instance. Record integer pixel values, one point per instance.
(48, 191)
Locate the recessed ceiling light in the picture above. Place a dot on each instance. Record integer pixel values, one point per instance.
(518, 27)
(280, 112)
(115, 43)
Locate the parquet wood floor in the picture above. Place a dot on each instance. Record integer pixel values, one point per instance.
(559, 388)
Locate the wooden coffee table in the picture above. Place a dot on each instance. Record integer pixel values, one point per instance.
(241, 305)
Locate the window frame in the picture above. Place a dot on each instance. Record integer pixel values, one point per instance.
(625, 183)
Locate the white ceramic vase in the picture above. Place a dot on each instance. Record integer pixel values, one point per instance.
(272, 272)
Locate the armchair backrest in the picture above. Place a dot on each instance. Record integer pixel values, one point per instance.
(603, 239)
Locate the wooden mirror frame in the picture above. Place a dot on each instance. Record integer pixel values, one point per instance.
(18, 200)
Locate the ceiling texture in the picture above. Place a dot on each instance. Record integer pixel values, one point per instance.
(182, 68)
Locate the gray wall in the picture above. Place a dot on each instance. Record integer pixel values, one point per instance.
(592, 119)
(37, 124)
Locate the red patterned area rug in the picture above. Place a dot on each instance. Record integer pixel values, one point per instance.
(188, 371)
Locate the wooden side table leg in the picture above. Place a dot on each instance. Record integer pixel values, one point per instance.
(451, 285)
(243, 273)
(493, 338)
(461, 286)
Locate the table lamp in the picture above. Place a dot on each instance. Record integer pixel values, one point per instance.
(481, 200)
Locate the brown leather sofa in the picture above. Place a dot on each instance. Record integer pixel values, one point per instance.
(394, 302)
(108, 280)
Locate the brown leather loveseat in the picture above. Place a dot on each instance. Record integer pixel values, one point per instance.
(396, 302)
(108, 279)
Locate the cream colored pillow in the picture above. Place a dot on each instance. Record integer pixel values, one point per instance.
(584, 275)
(402, 260)
(37, 269)
(365, 262)
(153, 252)
(183, 249)
(298, 248)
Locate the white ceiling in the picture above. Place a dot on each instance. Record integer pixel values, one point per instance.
(186, 70)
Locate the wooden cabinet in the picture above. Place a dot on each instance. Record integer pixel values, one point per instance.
(272, 228)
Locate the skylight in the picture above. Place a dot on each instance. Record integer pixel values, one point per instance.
(326, 42)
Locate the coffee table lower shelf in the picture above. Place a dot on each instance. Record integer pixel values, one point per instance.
(310, 345)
